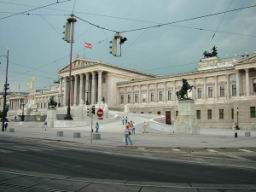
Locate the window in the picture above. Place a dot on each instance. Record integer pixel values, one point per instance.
(160, 95)
(129, 98)
(210, 92)
(169, 95)
(232, 113)
(143, 97)
(198, 114)
(151, 96)
(222, 91)
(233, 91)
(122, 99)
(253, 112)
(136, 98)
(177, 113)
(209, 114)
(221, 113)
(254, 86)
(199, 93)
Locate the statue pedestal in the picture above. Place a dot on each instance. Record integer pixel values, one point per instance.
(185, 121)
(51, 117)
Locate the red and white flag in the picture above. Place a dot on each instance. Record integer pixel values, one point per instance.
(87, 45)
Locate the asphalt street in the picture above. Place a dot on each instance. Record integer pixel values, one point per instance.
(28, 155)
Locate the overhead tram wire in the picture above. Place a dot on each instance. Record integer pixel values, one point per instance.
(33, 9)
(165, 24)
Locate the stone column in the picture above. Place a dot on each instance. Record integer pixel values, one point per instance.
(60, 92)
(93, 88)
(148, 94)
(165, 92)
(194, 90)
(247, 82)
(205, 88)
(86, 87)
(228, 86)
(81, 102)
(99, 86)
(65, 91)
(216, 87)
(237, 84)
(75, 90)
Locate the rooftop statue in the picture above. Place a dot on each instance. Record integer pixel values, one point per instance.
(214, 53)
(182, 94)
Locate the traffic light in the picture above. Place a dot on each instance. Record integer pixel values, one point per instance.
(93, 109)
(88, 111)
(117, 40)
(6, 86)
(113, 47)
(67, 32)
(122, 40)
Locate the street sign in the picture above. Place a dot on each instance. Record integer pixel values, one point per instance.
(100, 113)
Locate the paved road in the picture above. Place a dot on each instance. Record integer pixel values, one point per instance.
(29, 155)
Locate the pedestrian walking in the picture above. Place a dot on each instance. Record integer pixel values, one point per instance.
(97, 126)
(126, 120)
(127, 135)
(133, 127)
(5, 124)
(122, 120)
(45, 125)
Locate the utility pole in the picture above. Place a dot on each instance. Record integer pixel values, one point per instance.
(69, 37)
(6, 87)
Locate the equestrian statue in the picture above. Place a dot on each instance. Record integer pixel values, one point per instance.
(182, 94)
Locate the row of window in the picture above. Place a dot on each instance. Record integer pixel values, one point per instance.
(160, 98)
(221, 113)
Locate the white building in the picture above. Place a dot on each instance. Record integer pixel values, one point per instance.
(224, 90)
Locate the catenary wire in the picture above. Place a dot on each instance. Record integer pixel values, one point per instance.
(33, 9)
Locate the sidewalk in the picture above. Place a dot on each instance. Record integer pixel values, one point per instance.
(112, 135)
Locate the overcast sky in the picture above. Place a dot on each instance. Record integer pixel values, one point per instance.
(36, 45)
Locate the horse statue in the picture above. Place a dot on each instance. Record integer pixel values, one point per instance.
(182, 94)
(52, 104)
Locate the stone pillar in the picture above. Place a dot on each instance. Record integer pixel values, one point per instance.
(148, 94)
(228, 86)
(71, 81)
(99, 86)
(86, 87)
(65, 91)
(81, 101)
(216, 87)
(237, 84)
(93, 88)
(75, 90)
(247, 82)
(205, 88)
(60, 92)
(194, 90)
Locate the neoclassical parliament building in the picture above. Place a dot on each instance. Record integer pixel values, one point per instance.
(224, 91)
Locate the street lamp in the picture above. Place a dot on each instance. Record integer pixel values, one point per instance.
(22, 115)
(69, 37)
(87, 102)
(237, 113)
(6, 87)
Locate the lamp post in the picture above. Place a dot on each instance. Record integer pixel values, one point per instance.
(6, 87)
(22, 115)
(87, 102)
(71, 21)
(237, 113)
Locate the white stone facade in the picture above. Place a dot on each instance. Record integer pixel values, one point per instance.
(224, 91)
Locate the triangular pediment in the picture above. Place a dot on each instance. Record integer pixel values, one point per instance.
(246, 60)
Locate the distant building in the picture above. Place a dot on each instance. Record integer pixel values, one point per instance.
(224, 91)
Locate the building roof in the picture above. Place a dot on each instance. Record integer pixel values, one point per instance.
(90, 63)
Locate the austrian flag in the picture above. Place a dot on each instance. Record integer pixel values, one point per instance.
(87, 45)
